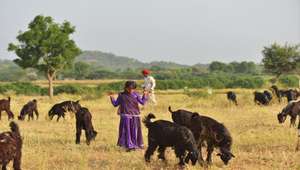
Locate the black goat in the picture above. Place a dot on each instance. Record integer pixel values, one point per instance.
(268, 95)
(231, 96)
(293, 110)
(59, 109)
(207, 130)
(290, 94)
(163, 134)
(261, 98)
(28, 109)
(279, 93)
(84, 122)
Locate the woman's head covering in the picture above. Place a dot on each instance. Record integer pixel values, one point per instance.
(130, 84)
(146, 71)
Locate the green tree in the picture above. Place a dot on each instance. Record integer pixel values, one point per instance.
(243, 67)
(216, 66)
(279, 59)
(82, 70)
(46, 46)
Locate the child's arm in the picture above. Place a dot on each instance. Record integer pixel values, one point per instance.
(115, 102)
(142, 100)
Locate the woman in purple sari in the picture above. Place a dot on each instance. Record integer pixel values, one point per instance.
(130, 132)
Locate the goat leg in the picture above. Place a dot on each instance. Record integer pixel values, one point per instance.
(31, 116)
(180, 153)
(88, 136)
(161, 151)
(150, 150)
(4, 166)
(293, 120)
(17, 162)
(210, 149)
(200, 158)
(37, 114)
(78, 132)
(58, 118)
(298, 142)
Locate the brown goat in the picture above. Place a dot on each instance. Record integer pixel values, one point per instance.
(5, 106)
(11, 147)
(28, 109)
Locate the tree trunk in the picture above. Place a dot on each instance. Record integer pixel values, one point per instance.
(50, 77)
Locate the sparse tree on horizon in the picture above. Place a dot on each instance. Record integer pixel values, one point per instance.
(279, 60)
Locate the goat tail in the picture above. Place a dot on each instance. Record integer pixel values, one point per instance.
(147, 120)
(14, 127)
(170, 110)
(8, 98)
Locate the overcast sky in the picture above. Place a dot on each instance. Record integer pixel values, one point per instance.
(182, 31)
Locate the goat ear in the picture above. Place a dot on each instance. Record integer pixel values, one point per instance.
(232, 155)
(170, 110)
(77, 101)
(195, 115)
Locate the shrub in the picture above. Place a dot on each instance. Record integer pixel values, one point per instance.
(25, 88)
(246, 82)
(73, 89)
(289, 81)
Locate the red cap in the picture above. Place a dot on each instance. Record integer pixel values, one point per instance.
(146, 71)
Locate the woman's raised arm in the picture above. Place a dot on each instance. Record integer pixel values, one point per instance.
(115, 102)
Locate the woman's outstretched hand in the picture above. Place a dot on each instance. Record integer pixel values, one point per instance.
(110, 94)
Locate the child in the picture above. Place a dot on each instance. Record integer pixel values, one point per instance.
(130, 132)
(149, 85)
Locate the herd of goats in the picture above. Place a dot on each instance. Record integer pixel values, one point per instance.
(187, 134)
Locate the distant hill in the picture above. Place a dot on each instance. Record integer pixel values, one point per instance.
(114, 62)
(111, 61)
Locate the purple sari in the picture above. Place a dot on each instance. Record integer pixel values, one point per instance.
(130, 132)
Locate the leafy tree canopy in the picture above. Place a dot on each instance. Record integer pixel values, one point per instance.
(46, 46)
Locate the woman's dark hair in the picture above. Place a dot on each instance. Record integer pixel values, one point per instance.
(130, 84)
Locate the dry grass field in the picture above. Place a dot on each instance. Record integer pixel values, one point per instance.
(259, 141)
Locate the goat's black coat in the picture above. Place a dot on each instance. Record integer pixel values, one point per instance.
(28, 109)
(268, 95)
(59, 109)
(11, 147)
(5, 106)
(207, 130)
(261, 98)
(293, 110)
(279, 93)
(84, 122)
(163, 134)
(290, 94)
(231, 96)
